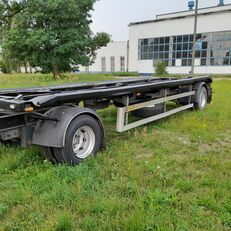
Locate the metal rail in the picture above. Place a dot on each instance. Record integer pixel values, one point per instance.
(122, 113)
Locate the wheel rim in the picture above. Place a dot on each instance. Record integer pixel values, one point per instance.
(83, 142)
(203, 99)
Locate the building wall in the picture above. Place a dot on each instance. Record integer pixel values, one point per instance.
(192, 12)
(113, 49)
(179, 26)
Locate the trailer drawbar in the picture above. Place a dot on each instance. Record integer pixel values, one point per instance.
(51, 117)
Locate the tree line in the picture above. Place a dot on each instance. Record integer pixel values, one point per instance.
(53, 35)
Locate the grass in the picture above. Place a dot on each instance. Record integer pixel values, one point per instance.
(215, 76)
(174, 174)
(31, 80)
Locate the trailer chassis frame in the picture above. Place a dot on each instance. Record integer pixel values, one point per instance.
(45, 116)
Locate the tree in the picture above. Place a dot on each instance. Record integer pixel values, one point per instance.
(8, 11)
(54, 34)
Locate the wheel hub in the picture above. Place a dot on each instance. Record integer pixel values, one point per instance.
(83, 142)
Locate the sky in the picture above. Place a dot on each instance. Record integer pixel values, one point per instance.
(113, 16)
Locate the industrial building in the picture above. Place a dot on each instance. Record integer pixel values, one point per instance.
(169, 38)
(112, 58)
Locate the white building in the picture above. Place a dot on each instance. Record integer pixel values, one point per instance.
(112, 58)
(169, 38)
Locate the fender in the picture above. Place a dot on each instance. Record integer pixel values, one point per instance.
(197, 86)
(208, 88)
(50, 133)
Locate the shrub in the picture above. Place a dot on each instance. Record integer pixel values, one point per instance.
(161, 69)
(3, 67)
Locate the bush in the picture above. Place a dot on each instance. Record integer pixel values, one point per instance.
(3, 67)
(161, 69)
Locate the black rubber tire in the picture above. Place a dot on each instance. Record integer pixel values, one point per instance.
(148, 111)
(59, 155)
(66, 154)
(49, 154)
(198, 102)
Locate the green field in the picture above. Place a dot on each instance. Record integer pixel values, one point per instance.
(174, 174)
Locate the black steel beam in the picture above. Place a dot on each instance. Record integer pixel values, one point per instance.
(86, 91)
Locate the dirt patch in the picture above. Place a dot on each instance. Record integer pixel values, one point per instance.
(220, 144)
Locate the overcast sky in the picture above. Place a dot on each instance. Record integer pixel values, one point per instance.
(113, 16)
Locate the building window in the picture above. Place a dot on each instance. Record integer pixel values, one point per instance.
(156, 49)
(211, 49)
(122, 63)
(112, 64)
(103, 64)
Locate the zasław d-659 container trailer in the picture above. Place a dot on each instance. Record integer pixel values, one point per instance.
(52, 118)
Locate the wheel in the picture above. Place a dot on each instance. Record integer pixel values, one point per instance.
(148, 111)
(83, 139)
(49, 154)
(201, 99)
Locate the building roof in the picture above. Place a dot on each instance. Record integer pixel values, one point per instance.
(188, 13)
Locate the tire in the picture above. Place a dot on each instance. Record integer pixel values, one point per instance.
(83, 139)
(59, 155)
(49, 154)
(148, 111)
(201, 99)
